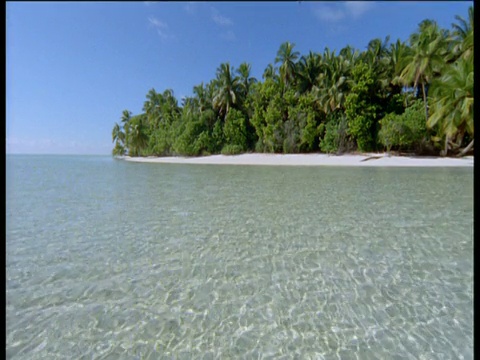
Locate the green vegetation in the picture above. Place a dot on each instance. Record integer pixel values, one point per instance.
(407, 132)
(414, 96)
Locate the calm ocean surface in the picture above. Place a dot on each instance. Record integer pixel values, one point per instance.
(107, 259)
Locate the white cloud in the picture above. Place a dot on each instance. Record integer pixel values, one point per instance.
(357, 8)
(336, 11)
(161, 27)
(329, 12)
(162, 34)
(229, 36)
(190, 7)
(220, 19)
(157, 23)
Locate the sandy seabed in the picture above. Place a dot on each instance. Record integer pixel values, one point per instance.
(373, 159)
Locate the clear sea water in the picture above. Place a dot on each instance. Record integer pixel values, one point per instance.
(107, 259)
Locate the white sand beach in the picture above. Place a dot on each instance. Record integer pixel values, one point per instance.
(373, 159)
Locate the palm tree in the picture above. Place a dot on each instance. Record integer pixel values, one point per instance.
(189, 104)
(377, 57)
(169, 108)
(202, 101)
(377, 52)
(244, 79)
(333, 81)
(152, 107)
(309, 68)
(453, 105)
(462, 35)
(427, 58)
(126, 117)
(349, 56)
(118, 136)
(270, 72)
(138, 137)
(398, 57)
(286, 57)
(153, 100)
(118, 150)
(227, 89)
(169, 98)
(463, 29)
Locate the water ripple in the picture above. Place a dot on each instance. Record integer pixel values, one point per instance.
(220, 262)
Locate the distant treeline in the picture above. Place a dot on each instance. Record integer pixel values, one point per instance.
(414, 96)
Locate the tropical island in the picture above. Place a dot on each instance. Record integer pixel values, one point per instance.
(412, 97)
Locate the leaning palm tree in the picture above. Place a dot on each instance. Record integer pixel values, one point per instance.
(117, 134)
(462, 36)
(452, 109)
(287, 57)
(118, 137)
(463, 28)
(425, 63)
(227, 89)
(138, 137)
(126, 116)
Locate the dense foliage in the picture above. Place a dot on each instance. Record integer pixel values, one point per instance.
(414, 96)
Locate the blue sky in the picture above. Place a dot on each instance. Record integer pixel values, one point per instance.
(73, 67)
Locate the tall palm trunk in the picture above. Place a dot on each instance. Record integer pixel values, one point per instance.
(444, 153)
(467, 149)
(425, 101)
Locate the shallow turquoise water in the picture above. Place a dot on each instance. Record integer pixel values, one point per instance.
(110, 259)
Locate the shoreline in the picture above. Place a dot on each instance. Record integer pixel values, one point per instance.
(360, 160)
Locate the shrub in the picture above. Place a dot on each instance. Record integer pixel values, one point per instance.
(329, 143)
(336, 138)
(230, 149)
(273, 130)
(234, 130)
(218, 139)
(118, 150)
(160, 141)
(361, 108)
(186, 142)
(291, 137)
(407, 131)
(259, 147)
